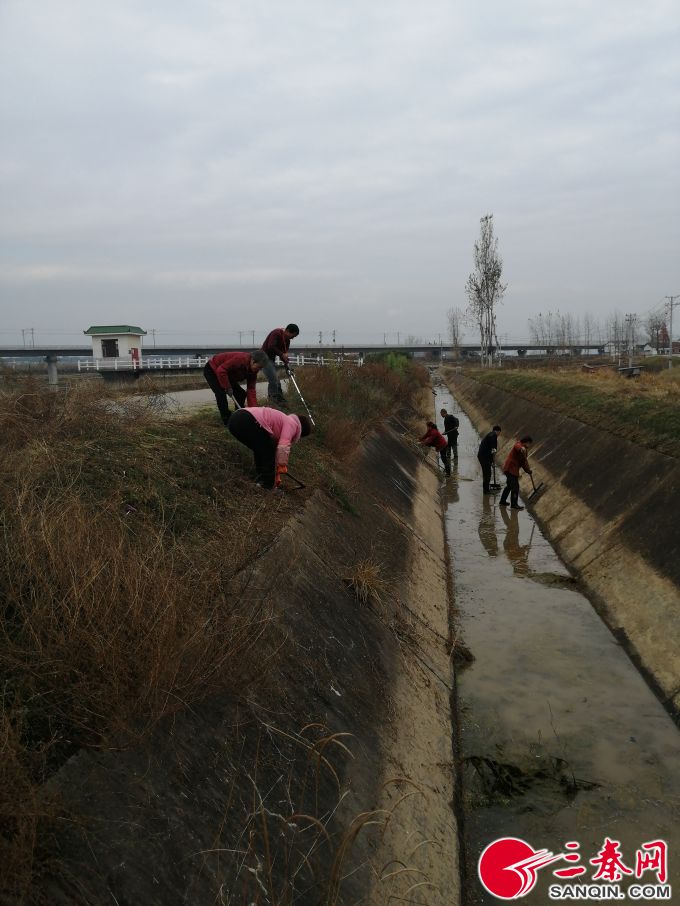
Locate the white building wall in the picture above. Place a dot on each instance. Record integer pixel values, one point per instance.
(126, 343)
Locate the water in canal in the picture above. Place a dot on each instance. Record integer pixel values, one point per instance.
(561, 740)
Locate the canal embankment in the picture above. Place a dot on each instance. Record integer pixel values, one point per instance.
(333, 782)
(610, 508)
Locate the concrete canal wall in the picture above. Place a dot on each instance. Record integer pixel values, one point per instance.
(611, 508)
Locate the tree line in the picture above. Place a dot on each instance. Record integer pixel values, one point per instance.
(485, 289)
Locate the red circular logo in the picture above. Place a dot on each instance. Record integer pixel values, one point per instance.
(507, 867)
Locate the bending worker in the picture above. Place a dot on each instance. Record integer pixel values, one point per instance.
(486, 454)
(223, 373)
(516, 459)
(277, 344)
(270, 434)
(432, 438)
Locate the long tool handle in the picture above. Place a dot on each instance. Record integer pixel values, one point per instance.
(295, 384)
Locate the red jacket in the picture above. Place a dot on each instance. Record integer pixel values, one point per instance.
(277, 343)
(516, 460)
(232, 368)
(432, 438)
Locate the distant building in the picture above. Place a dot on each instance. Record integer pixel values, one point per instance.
(118, 341)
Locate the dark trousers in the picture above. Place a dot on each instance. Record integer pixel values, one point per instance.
(250, 432)
(485, 463)
(511, 488)
(445, 456)
(221, 397)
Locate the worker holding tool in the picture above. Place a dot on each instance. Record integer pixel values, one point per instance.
(516, 459)
(433, 438)
(223, 373)
(270, 434)
(277, 344)
(486, 454)
(451, 425)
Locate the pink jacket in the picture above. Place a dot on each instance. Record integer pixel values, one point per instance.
(285, 429)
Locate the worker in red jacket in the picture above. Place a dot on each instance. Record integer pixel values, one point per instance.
(224, 371)
(277, 344)
(433, 438)
(516, 459)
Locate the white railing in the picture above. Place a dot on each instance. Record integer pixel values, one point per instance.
(146, 363)
(180, 362)
(338, 358)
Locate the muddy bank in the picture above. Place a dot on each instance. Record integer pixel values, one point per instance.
(610, 508)
(335, 785)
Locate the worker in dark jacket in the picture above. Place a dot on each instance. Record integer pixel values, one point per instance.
(433, 438)
(277, 344)
(516, 459)
(486, 454)
(224, 371)
(451, 425)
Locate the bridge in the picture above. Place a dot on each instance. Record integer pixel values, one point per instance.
(188, 357)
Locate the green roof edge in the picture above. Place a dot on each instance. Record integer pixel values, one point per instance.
(115, 328)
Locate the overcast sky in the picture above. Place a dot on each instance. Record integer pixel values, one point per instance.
(208, 167)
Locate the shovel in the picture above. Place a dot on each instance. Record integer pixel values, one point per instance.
(494, 486)
(535, 488)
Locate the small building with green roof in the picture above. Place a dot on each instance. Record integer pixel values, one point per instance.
(116, 341)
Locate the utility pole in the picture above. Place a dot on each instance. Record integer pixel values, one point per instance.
(320, 337)
(334, 338)
(630, 337)
(28, 332)
(153, 334)
(240, 334)
(671, 302)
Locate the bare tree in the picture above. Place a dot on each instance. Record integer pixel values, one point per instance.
(655, 325)
(484, 287)
(456, 321)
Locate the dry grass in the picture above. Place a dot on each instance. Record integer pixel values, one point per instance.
(122, 590)
(348, 402)
(126, 541)
(366, 580)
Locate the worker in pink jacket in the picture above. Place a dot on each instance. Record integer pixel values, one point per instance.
(270, 434)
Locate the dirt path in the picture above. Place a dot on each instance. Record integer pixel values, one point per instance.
(561, 738)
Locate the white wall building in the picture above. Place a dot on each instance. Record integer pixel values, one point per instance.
(118, 341)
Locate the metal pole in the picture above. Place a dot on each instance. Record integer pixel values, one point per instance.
(671, 300)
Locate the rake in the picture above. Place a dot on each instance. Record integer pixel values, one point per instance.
(494, 486)
(536, 489)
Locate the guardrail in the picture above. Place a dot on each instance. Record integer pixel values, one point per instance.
(186, 362)
(146, 363)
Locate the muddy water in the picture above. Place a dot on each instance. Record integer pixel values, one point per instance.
(561, 739)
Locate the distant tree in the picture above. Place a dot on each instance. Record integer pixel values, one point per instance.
(484, 287)
(617, 332)
(456, 321)
(655, 326)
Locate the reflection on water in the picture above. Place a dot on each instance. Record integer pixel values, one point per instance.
(517, 554)
(487, 528)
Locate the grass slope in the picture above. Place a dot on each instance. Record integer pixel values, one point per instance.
(646, 411)
(125, 542)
